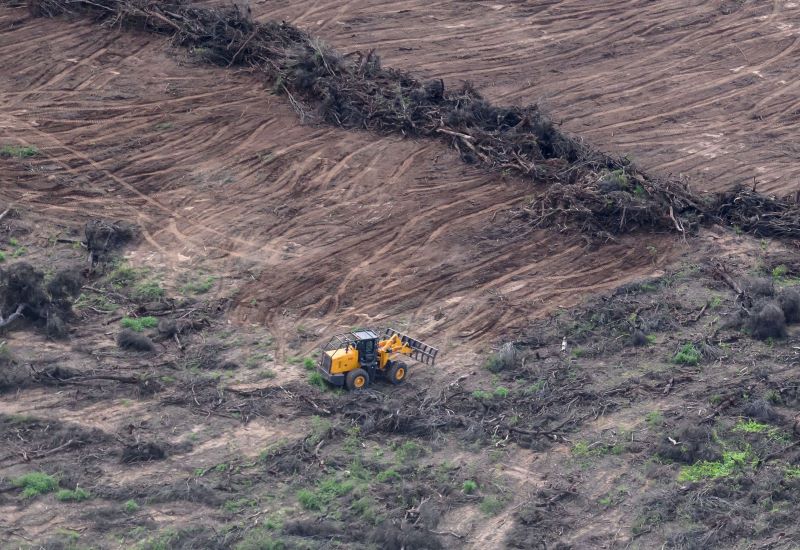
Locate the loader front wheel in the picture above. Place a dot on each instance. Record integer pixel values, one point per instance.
(397, 373)
(357, 379)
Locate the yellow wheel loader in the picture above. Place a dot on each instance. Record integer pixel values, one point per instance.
(358, 358)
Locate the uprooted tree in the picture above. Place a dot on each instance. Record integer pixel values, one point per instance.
(586, 189)
(24, 293)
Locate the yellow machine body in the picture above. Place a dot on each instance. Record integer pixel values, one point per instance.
(354, 359)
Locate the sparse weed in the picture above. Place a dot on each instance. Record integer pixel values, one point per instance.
(149, 291)
(78, 495)
(36, 483)
(131, 506)
(469, 487)
(316, 379)
(19, 151)
(200, 286)
(731, 462)
(309, 363)
(687, 355)
(654, 419)
(491, 505)
(501, 392)
(139, 323)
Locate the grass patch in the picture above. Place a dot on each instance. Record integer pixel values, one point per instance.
(78, 495)
(316, 379)
(19, 151)
(200, 286)
(491, 506)
(501, 392)
(309, 363)
(148, 291)
(469, 487)
(731, 462)
(654, 419)
(260, 539)
(388, 475)
(481, 394)
(36, 483)
(687, 355)
(139, 323)
(779, 272)
(130, 506)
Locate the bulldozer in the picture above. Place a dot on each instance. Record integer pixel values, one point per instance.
(358, 358)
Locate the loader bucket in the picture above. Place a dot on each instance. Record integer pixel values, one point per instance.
(420, 351)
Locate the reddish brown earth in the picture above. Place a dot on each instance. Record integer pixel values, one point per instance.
(704, 89)
(310, 230)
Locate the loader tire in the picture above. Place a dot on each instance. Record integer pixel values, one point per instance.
(397, 373)
(357, 379)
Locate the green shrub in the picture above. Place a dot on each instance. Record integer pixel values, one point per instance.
(309, 363)
(505, 358)
(18, 151)
(731, 462)
(36, 483)
(501, 392)
(309, 500)
(751, 427)
(316, 379)
(688, 355)
(491, 506)
(200, 286)
(654, 419)
(779, 272)
(409, 450)
(481, 394)
(2, 256)
(149, 291)
(130, 506)
(469, 487)
(388, 475)
(139, 323)
(259, 539)
(78, 495)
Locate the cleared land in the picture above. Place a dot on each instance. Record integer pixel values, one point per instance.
(261, 235)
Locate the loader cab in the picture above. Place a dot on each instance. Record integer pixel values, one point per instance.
(366, 342)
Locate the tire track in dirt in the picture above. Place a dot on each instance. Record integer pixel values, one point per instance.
(638, 77)
(340, 225)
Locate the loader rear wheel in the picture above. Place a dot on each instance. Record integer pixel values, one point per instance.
(397, 373)
(357, 379)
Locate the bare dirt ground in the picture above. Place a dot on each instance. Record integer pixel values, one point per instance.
(271, 234)
(705, 89)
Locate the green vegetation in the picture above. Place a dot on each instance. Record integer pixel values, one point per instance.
(78, 495)
(388, 475)
(326, 491)
(752, 427)
(139, 323)
(792, 472)
(481, 394)
(19, 151)
(316, 379)
(654, 419)
(148, 291)
(95, 301)
(309, 363)
(130, 506)
(582, 449)
(259, 539)
(200, 286)
(491, 506)
(2, 256)
(577, 353)
(36, 483)
(123, 275)
(715, 302)
(235, 506)
(731, 462)
(688, 355)
(409, 450)
(501, 392)
(469, 487)
(779, 272)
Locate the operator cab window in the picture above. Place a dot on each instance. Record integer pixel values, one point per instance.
(368, 345)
